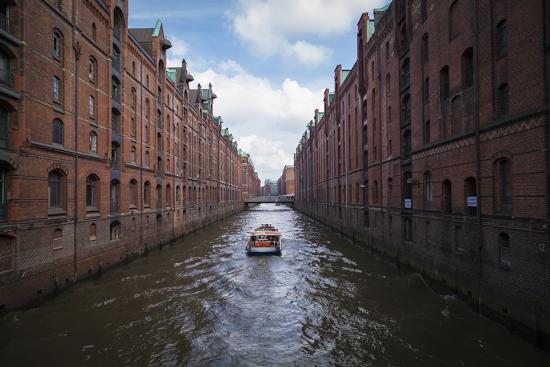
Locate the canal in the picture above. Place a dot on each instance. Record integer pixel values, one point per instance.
(202, 301)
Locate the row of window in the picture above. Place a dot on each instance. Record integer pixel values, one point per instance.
(57, 186)
(502, 183)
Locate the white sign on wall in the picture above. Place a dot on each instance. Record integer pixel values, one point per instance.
(408, 203)
(472, 201)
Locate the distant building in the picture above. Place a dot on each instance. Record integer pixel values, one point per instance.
(285, 184)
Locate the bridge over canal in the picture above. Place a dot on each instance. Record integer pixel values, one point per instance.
(272, 199)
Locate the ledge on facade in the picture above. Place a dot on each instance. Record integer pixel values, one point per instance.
(7, 91)
(10, 37)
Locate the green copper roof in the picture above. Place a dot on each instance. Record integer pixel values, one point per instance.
(370, 28)
(345, 74)
(171, 73)
(156, 32)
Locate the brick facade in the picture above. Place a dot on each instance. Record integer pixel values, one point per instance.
(105, 152)
(454, 99)
(285, 183)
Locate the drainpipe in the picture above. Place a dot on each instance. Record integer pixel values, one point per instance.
(545, 46)
(76, 49)
(478, 154)
(379, 87)
(141, 188)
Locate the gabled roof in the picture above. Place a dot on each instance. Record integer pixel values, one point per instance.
(158, 28)
(144, 37)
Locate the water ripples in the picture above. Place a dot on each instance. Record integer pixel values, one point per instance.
(202, 301)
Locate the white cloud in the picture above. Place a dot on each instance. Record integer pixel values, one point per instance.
(266, 119)
(179, 50)
(271, 27)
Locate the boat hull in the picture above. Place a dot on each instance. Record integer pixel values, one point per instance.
(263, 250)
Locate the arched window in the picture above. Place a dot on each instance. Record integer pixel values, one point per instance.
(92, 192)
(447, 197)
(428, 192)
(118, 24)
(503, 186)
(134, 127)
(147, 194)
(92, 69)
(168, 196)
(5, 68)
(147, 133)
(133, 193)
(147, 81)
(133, 68)
(147, 159)
(56, 89)
(470, 196)
(425, 49)
(178, 196)
(94, 32)
(57, 48)
(159, 222)
(453, 20)
(467, 68)
(56, 190)
(502, 38)
(502, 100)
(116, 231)
(147, 109)
(133, 154)
(115, 197)
(93, 232)
(375, 192)
(58, 132)
(444, 83)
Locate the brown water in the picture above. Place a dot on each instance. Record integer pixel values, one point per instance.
(202, 301)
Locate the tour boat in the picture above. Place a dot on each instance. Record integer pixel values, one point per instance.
(265, 239)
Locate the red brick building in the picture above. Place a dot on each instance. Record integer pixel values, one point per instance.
(455, 98)
(285, 183)
(105, 152)
(328, 162)
(250, 182)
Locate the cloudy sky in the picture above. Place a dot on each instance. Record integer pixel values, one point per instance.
(268, 60)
